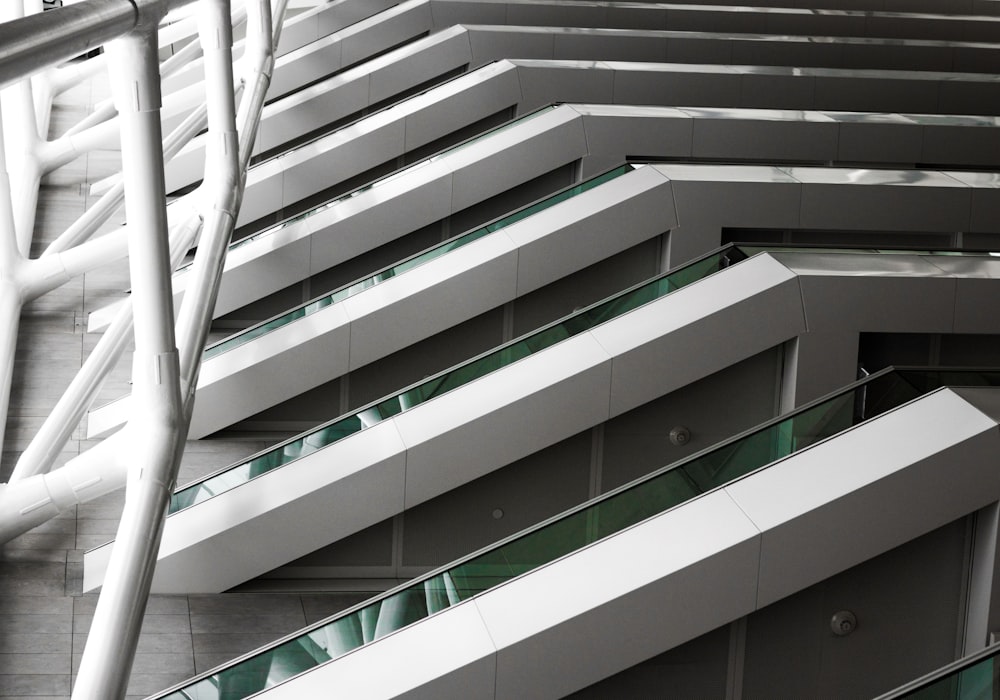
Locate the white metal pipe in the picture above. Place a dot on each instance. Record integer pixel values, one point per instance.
(180, 58)
(39, 83)
(221, 190)
(48, 442)
(187, 58)
(9, 254)
(72, 74)
(26, 204)
(44, 274)
(278, 21)
(41, 88)
(157, 430)
(104, 134)
(35, 42)
(90, 221)
(86, 258)
(96, 216)
(48, 274)
(10, 294)
(103, 111)
(176, 26)
(32, 501)
(258, 66)
(10, 317)
(68, 147)
(192, 51)
(23, 129)
(12, 10)
(45, 446)
(114, 633)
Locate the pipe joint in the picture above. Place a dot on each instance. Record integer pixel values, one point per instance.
(149, 14)
(156, 377)
(41, 275)
(134, 67)
(90, 476)
(222, 172)
(215, 29)
(35, 499)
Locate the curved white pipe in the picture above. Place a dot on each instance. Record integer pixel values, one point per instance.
(221, 191)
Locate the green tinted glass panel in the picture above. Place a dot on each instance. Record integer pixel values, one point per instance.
(981, 681)
(350, 290)
(631, 506)
(602, 517)
(772, 443)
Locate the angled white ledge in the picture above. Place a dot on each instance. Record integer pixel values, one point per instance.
(526, 84)
(490, 42)
(656, 352)
(356, 42)
(707, 199)
(885, 482)
(424, 453)
(612, 132)
(388, 209)
(478, 429)
(316, 495)
(821, 199)
(446, 442)
(507, 415)
(426, 300)
(705, 563)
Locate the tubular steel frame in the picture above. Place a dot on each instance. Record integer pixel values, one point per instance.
(145, 454)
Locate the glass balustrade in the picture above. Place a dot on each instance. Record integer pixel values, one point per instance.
(978, 682)
(848, 249)
(976, 677)
(329, 433)
(443, 382)
(433, 253)
(562, 535)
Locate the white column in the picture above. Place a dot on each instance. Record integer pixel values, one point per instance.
(156, 432)
(10, 293)
(817, 363)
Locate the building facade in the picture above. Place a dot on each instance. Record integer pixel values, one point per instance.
(565, 155)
